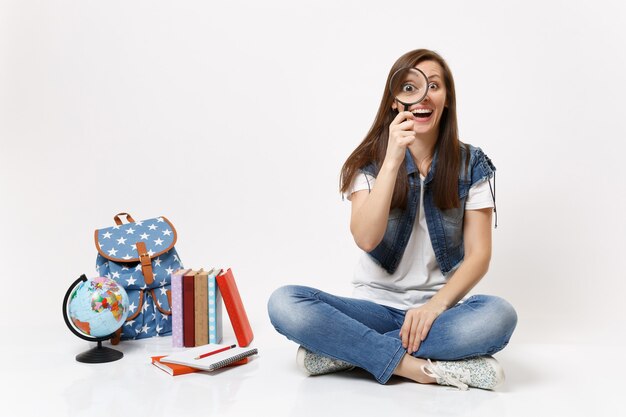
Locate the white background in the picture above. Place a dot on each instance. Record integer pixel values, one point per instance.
(234, 118)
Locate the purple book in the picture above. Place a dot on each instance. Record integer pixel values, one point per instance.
(177, 307)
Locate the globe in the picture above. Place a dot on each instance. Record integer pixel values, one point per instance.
(93, 310)
(98, 307)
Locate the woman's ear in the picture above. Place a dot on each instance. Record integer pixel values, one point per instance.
(394, 105)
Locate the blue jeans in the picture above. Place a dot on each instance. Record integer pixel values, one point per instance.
(367, 334)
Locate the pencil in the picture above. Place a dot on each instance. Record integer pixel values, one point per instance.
(204, 355)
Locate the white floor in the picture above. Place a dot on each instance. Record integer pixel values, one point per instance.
(42, 379)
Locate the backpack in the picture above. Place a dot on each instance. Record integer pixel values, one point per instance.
(140, 256)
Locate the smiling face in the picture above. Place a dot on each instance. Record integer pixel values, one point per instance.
(427, 113)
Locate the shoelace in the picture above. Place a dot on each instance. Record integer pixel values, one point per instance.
(447, 377)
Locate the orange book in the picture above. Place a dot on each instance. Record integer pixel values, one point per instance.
(234, 307)
(175, 369)
(172, 368)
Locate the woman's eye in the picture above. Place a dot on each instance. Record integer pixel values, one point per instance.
(408, 88)
(433, 86)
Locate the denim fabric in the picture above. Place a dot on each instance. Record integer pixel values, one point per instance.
(366, 334)
(445, 227)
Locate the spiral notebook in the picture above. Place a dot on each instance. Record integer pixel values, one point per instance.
(212, 362)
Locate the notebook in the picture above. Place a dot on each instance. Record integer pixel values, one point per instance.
(212, 362)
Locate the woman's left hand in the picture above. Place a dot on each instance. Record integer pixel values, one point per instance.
(417, 324)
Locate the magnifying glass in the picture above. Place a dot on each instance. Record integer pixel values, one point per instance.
(408, 86)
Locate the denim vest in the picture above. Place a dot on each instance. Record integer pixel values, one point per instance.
(445, 227)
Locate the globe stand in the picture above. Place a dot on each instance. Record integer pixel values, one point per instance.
(98, 354)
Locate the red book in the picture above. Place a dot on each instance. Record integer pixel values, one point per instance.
(234, 307)
(175, 369)
(189, 310)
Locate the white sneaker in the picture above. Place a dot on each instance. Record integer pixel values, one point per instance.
(314, 364)
(482, 372)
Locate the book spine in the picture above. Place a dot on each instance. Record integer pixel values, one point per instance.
(234, 308)
(189, 337)
(218, 314)
(215, 307)
(201, 310)
(177, 309)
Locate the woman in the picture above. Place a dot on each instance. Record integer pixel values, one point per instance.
(422, 212)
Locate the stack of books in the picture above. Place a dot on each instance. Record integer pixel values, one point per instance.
(197, 308)
(203, 358)
(197, 297)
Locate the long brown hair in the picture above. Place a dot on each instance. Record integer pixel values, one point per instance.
(374, 147)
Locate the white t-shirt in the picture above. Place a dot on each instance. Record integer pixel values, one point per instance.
(418, 276)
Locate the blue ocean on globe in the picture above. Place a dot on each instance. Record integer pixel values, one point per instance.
(98, 307)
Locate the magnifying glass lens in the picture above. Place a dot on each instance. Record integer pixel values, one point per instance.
(409, 86)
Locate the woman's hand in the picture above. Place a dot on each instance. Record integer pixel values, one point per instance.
(401, 135)
(417, 323)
